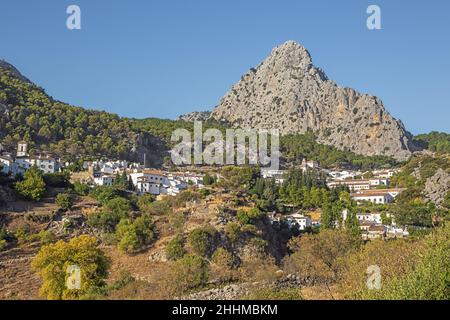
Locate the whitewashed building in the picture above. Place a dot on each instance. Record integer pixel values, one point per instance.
(44, 163)
(371, 217)
(144, 185)
(353, 185)
(277, 175)
(373, 197)
(6, 162)
(300, 220)
(104, 179)
(195, 179)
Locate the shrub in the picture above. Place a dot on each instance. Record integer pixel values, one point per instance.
(183, 198)
(250, 216)
(318, 255)
(107, 219)
(3, 244)
(3, 233)
(103, 193)
(144, 202)
(208, 180)
(190, 272)
(233, 231)
(159, 208)
(135, 236)
(118, 205)
(64, 201)
(25, 235)
(202, 241)
(3, 237)
(81, 188)
(176, 220)
(46, 236)
(175, 248)
(145, 230)
(243, 217)
(127, 236)
(57, 180)
(222, 263)
(104, 220)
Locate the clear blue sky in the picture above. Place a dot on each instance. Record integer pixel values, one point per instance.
(164, 58)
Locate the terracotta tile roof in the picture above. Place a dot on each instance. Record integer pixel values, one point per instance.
(153, 171)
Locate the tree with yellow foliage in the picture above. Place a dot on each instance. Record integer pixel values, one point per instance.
(70, 270)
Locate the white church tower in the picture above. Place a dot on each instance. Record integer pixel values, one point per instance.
(22, 149)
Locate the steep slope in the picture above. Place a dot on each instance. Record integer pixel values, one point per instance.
(288, 92)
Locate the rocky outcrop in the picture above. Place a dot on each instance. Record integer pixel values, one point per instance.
(195, 116)
(230, 292)
(437, 187)
(289, 93)
(149, 147)
(241, 290)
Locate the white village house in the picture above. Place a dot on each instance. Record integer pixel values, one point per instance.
(104, 179)
(277, 175)
(298, 219)
(359, 184)
(373, 197)
(23, 161)
(377, 196)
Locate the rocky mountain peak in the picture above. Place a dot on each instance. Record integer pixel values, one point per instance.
(286, 91)
(290, 55)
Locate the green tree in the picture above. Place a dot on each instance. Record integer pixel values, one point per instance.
(351, 225)
(202, 241)
(121, 181)
(33, 185)
(144, 202)
(208, 180)
(175, 248)
(319, 255)
(190, 272)
(430, 279)
(64, 201)
(126, 236)
(81, 188)
(115, 209)
(104, 193)
(135, 236)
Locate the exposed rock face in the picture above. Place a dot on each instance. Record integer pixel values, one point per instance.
(148, 147)
(437, 187)
(195, 116)
(288, 92)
